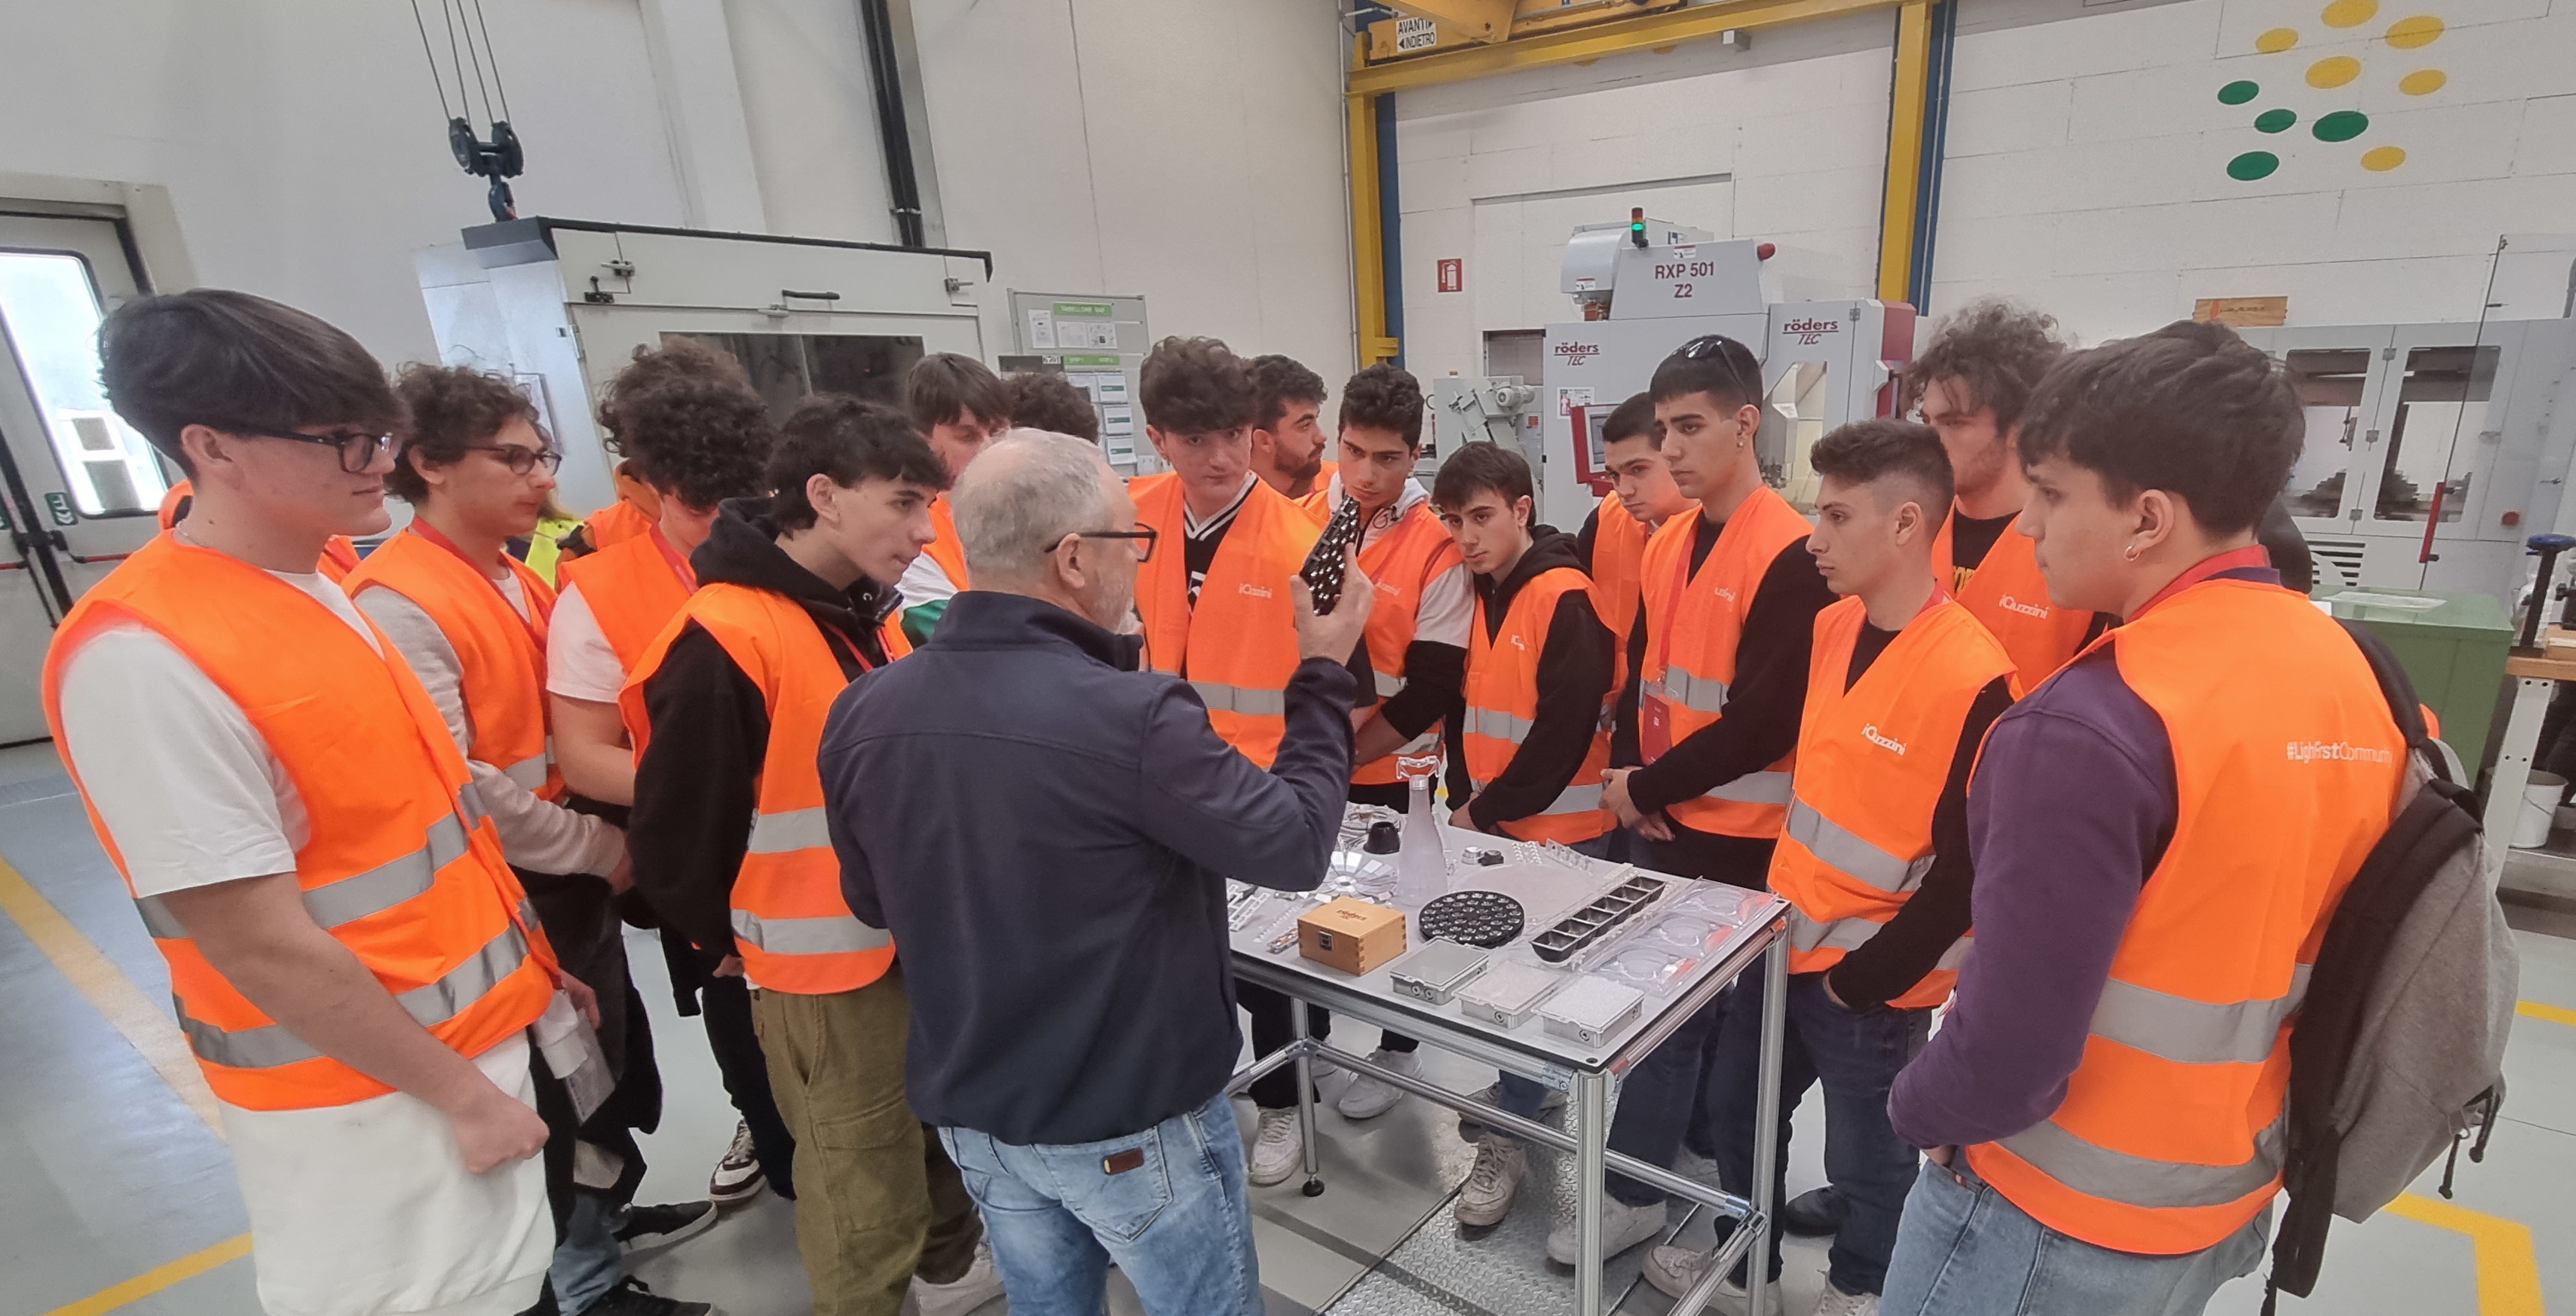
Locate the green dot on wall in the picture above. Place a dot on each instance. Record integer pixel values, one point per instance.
(2252, 165)
(2238, 92)
(2342, 126)
(2274, 121)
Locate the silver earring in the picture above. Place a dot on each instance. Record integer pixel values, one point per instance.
(2132, 553)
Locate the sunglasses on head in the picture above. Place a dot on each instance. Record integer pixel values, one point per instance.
(1714, 345)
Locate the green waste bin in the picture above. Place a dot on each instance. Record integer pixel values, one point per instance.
(2453, 646)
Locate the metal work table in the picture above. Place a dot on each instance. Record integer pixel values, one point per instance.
(1548, 889)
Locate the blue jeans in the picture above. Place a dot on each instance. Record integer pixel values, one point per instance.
(588, 1259)
(1177, 1222)
(1856, 1056)
(1967, 1251)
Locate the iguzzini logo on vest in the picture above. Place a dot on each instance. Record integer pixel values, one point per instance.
(1869, 733)
(2010, 604)
(2337, 751)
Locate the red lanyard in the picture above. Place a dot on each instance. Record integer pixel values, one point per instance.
(527, 620)
(2234, 559)
(679, 565)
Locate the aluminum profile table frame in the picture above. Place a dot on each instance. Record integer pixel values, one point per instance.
(1590, 1104)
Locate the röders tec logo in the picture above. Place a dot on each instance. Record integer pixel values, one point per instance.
(1575, 354)
(1811, 331)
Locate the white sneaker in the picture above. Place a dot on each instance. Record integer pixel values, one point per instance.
(1368, 1098)
(1675, 1271)
(1835, 1302)
(1501, 1164)
(1622, 1227)
(979, 1285)
(738, 1176)
(1278, 1149)
(1471, 1128)
(1331, 1081)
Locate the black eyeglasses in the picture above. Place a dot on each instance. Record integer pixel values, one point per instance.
(521, 460)
(357, 451)
(1149, 536)
(1715, 345)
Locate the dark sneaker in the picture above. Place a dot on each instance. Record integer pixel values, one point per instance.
(738, 1176)
(1816, 1213)
(631, 1298)
(661, 1226)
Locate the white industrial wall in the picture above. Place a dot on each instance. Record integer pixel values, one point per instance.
(1785, 142)
(301, 141)
(2087, 163)
(1189, 151)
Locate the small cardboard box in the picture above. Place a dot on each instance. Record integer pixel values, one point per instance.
(1351, 935)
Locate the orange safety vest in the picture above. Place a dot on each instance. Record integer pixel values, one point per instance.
(625, 519)
(2008, 594)
(1502, 705)
(2287, 764)
(1618, 566)
(500, 655)
(1402, 562)
(1238, 647)
(791, 925)
(400, 865)
(1318, 501)
(947, 550)
(1872, 761)
(1693, 623)
(633, 590)
(339, 553)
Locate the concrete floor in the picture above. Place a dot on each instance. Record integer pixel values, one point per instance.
(114, 1176)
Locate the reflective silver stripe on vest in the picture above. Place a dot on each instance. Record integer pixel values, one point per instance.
(469, 803)
(429, 1005)
(529, 773)
(2192, 1032)
(830, 934)
(353, 897)
(1389, 685)
(1838, 846)
(796, 829)
(1239, 699)
(1574, 799)
(1691, 691)
(1850, 934)
(2118, 1176)
(1754, 788)
(1498, 724)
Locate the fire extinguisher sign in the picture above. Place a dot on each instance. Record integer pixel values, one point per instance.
(1453, 275)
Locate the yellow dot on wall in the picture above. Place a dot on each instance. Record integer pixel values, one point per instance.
(2333, 71)
(2381, 159)
(2277, 40)
(2422, 82)
(2416, 30)
(2350, 13)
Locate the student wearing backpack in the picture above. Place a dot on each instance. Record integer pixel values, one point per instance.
(2161, 832)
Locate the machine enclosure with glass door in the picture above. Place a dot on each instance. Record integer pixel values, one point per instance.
(79, 488)
(562, 305)
(2433, 451)
(1825, 363)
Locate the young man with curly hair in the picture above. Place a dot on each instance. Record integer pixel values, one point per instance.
(694, 434)
(732, 849)
(639, 505)
(1288, 441)
(471, 620)
(960, 407)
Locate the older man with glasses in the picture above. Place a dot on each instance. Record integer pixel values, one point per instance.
(1072, 1000)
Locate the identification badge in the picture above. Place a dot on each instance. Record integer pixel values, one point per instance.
(1654, 721)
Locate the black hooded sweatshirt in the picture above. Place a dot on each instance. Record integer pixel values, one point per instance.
(697, 785)
(1575, 669)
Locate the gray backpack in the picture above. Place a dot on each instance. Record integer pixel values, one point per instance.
(2398, 1052)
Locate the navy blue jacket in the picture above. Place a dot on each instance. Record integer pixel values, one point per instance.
(1047, 831)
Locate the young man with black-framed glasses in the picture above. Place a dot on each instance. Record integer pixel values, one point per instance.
(472, 621)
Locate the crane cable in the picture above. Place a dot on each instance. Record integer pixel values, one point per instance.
(462, 52)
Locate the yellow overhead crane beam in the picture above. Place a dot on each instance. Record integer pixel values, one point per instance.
(1659, 30)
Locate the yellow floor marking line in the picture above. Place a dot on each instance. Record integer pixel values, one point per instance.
(158, 1278)
(2508, 1270)
(2553, 1013)
(146, 1025)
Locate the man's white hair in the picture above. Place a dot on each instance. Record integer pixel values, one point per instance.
(1021, 497)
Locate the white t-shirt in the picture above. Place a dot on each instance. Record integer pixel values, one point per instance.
(580, 662)
(361, 1207)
